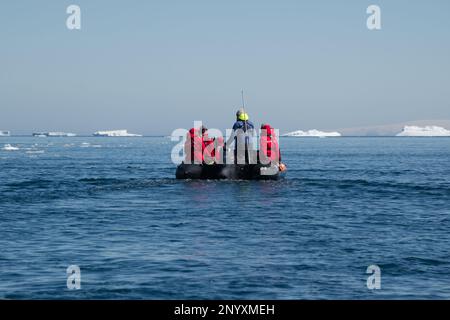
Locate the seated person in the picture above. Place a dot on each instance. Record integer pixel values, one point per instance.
(194, 146)
(269, 148)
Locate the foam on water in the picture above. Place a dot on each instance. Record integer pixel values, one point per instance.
(8, 147)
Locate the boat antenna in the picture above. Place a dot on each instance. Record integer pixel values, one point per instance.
(243, 108)
(245, 127)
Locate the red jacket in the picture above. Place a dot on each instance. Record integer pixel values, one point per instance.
(213, 149)
(268, 144)
(208, 151)
(198, 146)
(194, 146)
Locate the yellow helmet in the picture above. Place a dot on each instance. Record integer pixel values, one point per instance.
(242, 115)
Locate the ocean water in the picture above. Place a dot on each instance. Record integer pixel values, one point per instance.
(112, 207)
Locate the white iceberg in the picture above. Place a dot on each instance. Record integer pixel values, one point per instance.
(61, 134)
(115, 133)
(5, 133)
(312, 133)
(428, 131)
(53, 134)
(9, 147)
(40, 134)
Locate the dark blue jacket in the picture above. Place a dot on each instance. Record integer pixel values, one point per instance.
(241, 125)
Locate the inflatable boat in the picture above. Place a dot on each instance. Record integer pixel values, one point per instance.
(229, 171)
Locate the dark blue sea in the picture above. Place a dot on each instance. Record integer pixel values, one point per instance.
(113, 207)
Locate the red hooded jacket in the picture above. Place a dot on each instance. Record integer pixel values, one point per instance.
(268, 145)
(198, 145)
(194, 146)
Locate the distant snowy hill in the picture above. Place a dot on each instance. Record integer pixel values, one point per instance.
(392, 129)
(428, 131)
(312, 133)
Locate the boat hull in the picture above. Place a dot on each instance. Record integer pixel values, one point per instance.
(228, 171)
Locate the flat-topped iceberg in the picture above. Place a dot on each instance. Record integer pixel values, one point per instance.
(53, 134)
(312, 133)
(115, 133)
(61, 134)
(428, 131)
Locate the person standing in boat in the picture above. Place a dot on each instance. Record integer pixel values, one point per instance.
(242, 121)
(243, 130)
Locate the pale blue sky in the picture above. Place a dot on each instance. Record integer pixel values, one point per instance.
(153, 66)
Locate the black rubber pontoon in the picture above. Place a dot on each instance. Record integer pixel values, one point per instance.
(228, 171)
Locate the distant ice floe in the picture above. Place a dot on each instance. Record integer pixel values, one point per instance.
(428, 131)
(88, 145)
(115, 133)
(9, 147)
(53, 134)
(312, 133)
